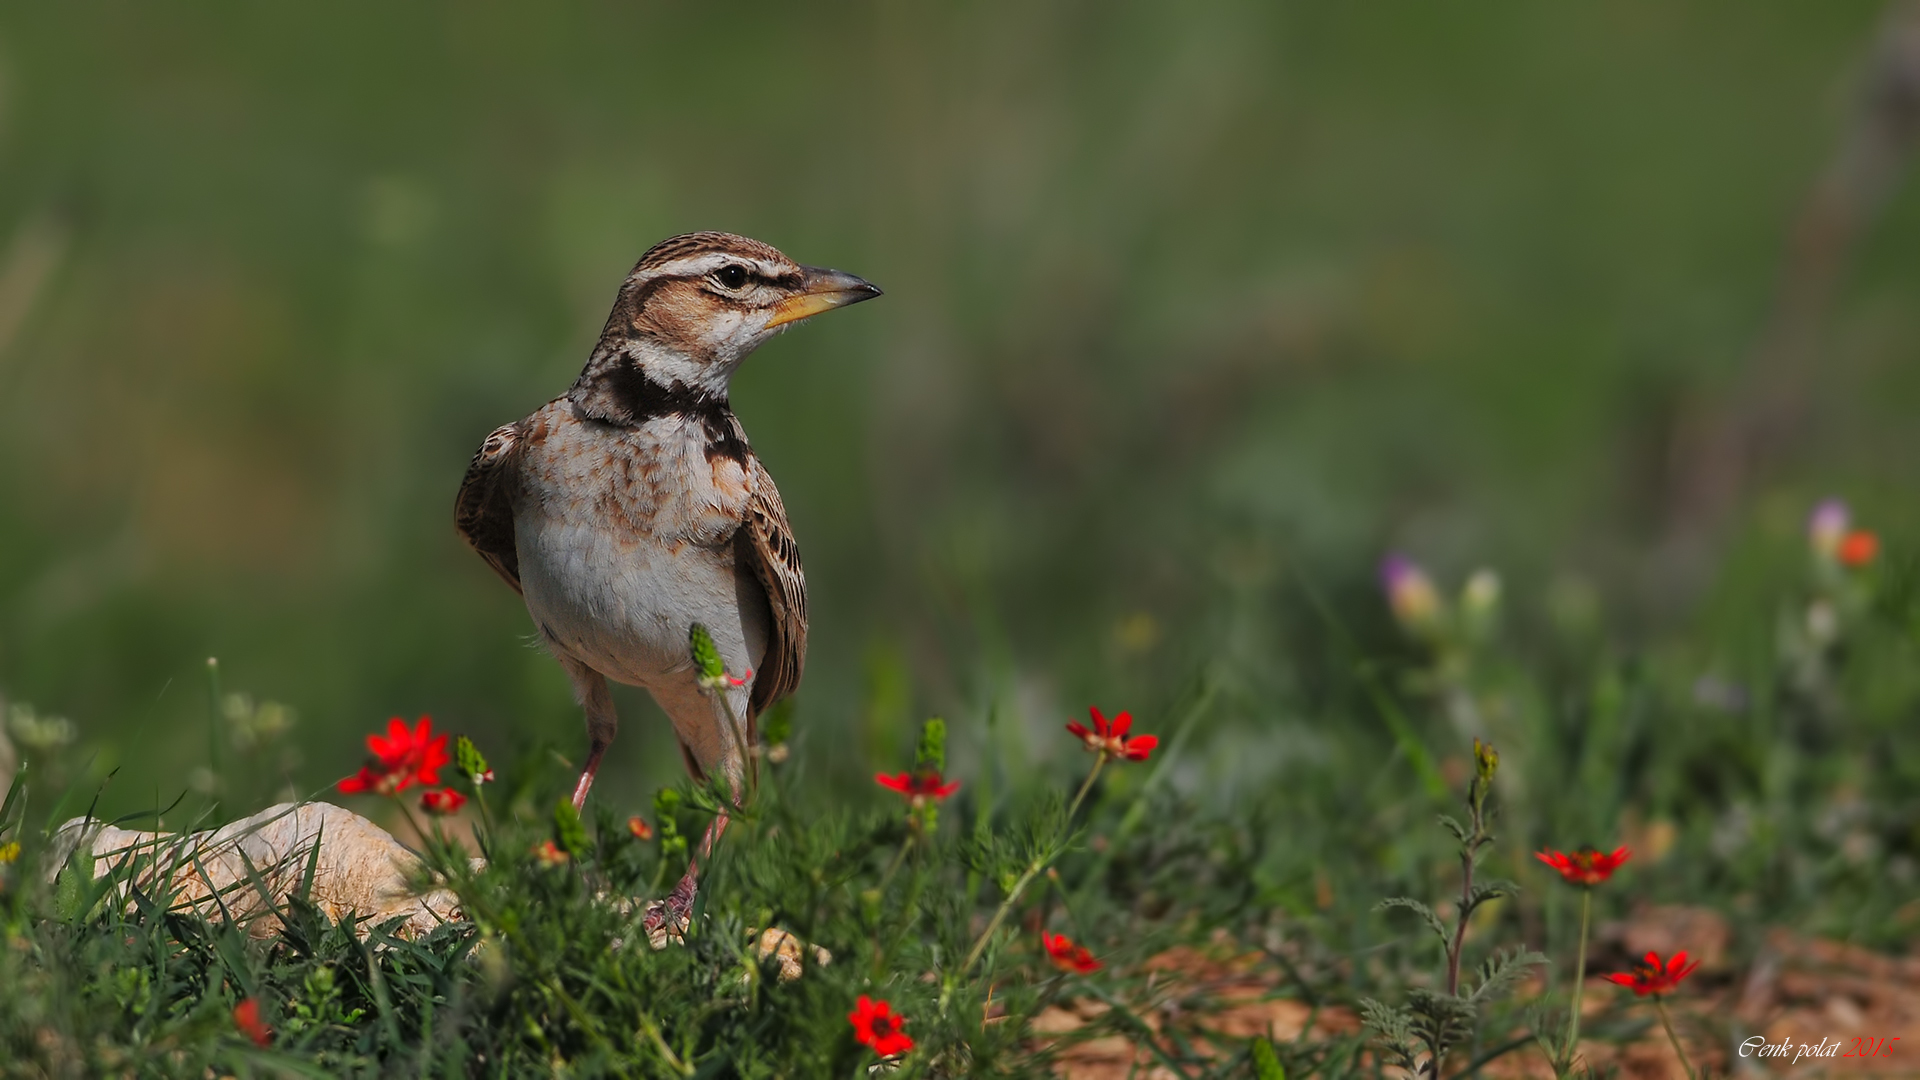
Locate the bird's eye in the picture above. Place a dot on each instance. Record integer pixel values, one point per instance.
(731, 276)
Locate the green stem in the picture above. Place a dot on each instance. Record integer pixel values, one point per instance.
(1466, 904)
(1667, 1022)
(1000, 916)
(1039, 863)
(1579, 978)
(1086, 786)
(660, 1043)
(894, 866)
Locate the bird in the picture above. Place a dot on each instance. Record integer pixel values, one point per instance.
(632, 507)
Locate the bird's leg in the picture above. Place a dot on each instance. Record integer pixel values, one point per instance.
(590, 687)
(669, 918)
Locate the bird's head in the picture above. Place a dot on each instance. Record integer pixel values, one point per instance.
(696, 305)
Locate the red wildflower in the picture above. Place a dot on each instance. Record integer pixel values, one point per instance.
(638, 826)
(1067, 956)
(1111, 739)
(1858, 548)
(402, 759)
(246, 1017)
(549, 853)
(877, 1025)
(1586, 867)
(918, 787)
(444, 801)
(1656, 978)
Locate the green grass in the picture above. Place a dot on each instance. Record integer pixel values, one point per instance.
(1771, 755)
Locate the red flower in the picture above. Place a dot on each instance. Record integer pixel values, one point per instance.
(444, 801)
(638, 826)
(1654, 977)
(918, 787)
(1067, 956)
(549, 854)
(877, 1025)
(404, 758)
(1858, 548)
(1111, 739)
(1586, 867)
(246, 1017)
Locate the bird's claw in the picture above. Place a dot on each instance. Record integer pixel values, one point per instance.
(667, 920)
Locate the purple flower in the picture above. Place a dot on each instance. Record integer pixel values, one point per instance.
(1827, 526)
(1410, 593)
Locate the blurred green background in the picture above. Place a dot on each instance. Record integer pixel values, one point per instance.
(1187, 305)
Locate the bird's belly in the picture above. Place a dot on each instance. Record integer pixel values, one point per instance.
(624, 604)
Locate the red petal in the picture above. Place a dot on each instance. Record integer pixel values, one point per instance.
(358, 782)
(946, 790)
(1099, 721)
(902, 784)
(1140, 746)
(1078, 729)
(1121, 725)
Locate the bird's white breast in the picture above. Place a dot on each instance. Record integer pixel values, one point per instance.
(625, 539)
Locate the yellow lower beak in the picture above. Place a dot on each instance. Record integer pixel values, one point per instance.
(824, 291)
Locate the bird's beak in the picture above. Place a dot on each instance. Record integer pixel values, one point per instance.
(824, 291)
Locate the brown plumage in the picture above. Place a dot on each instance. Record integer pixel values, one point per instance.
(633, 506)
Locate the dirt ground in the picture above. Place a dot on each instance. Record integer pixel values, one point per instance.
(1800, 991)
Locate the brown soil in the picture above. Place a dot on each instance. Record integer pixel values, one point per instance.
(1208, 1003)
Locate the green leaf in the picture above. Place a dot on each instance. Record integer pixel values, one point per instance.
(1418, 908)
(1441, 1021)
(1393, 1032)
(1266, 1063)
(72, 897)
(1498, 973)
(1490, 890)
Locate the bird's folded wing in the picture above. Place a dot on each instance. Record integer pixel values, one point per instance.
(484, 510)
(776, 562)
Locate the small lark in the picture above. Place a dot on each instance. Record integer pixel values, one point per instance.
(631, 508)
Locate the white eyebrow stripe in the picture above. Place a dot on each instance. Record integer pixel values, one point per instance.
(707, 263)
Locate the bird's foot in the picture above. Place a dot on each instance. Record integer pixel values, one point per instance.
(667, 920)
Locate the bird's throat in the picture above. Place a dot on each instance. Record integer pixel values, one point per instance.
(617, 390)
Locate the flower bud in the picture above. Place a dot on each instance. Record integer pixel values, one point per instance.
(568, 832)
(1481, 594)
(1485, 760)
(1827, 527)
(931, 755)
(706, 656)
(1410, 593)
(471, 763)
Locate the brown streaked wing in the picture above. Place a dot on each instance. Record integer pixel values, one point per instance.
(483, 512)
(776, 563)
